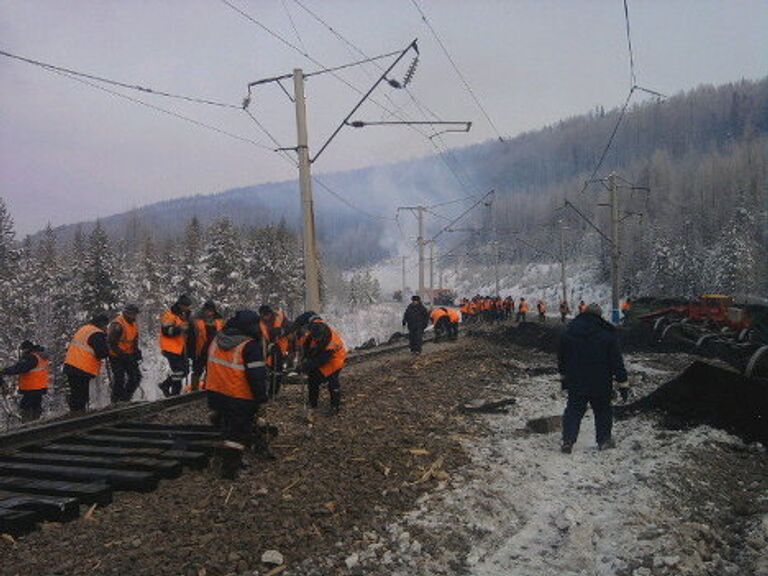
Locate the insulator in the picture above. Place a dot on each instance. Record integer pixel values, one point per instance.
(411, 71)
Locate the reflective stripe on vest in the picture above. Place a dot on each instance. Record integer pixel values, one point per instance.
(80, 355)
(129, 335)
(225, 372)
(38, 377)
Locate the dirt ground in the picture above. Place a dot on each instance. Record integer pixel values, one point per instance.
(404, 483)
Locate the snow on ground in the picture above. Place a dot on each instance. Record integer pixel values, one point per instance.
(522, 508)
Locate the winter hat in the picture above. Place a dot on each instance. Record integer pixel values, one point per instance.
(416, 298)
(303, 319)
(246, 322)
(131, 309)
(26, 345)
(209, 305)
(184, 300)
(100, 319)
(265, 309)
(594, 309)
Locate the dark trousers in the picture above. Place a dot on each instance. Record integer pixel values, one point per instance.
(316, 379)
(521, 316)
(233, 416)
(126, 377)
(79, 393)
(31, 404)
(179, 369)
(575, 410)
(453, 331)
(276, 364)
(542, 317)
(415, 339)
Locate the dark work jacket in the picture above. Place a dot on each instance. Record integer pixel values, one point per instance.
(589, 356)
(27, 361)
(416, 317)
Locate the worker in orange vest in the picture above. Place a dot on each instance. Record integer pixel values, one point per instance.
(236, 386)
(207, 324)
(324, 355)
(541, 306)
(626, 306)
(564, 310)
(82, 363)
(453, 323)
(582, 307)
(124, 354)
(522, 310)
(439, 319)
(174, 334)
(33, 370)
(274, 326)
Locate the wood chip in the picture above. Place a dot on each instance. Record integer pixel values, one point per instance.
(8, 538)
(226, 500)
(89, 514)
(418, 451)
(331, 506)
(276, 570)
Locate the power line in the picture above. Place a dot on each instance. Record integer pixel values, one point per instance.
(74, 73)
(164, 111)
(349, 204)
(633, 79)
(458, 72)
(293, 25)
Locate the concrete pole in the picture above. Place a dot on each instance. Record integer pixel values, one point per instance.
(562, 263)
(496, 267)
(405, 298)
(615, 249)
(431, 266)
(420, 215)
(311, 276)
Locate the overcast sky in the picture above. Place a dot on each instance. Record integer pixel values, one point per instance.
(69, 152)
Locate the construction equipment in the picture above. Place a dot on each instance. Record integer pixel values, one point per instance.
(715, 326)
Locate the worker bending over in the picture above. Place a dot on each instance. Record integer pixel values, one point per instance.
(323, 355)
(236, 384)
(34, 373)
(274, 326)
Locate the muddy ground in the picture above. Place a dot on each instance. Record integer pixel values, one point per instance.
(404, 483)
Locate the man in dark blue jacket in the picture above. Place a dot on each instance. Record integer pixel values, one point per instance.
(589, 360)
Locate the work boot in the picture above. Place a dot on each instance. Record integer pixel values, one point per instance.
(231, 459)
(607, 444)
(566, 448)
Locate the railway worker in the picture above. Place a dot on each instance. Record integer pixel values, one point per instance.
(453, 323)
(33, 370)
(564, 310)
(509, 306)
(207, 324)
(626, 306)
(236, 386)
(582, 307)
(441, 321)
(541, 307)
(174, 333)
(416, 318)
(82, 363)
(522, 310)
(124, 353)
(589, 359)
(274, 326)
(324, 355)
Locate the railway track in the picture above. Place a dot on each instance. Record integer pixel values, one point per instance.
(49, 471)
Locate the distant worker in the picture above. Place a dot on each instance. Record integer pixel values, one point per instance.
(416, 318)
(564, 310)
(453, 326)
(522, 310)
(82, 363)
(626, 306)
(441, 322)
(207, 324)
(236, 385)
(124, 354)
(274, 326)
(589, 359)
(582, 307)
(323, 357)
(33, 370)
(174, 333)
(541, 307)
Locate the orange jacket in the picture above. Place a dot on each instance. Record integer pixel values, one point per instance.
(129, 336)
(173, 344)
(225, 372)
(201, 333)
(37, 378)
(339, 353)
(582, 307)
(626, 306)
(541, 307)
(523, 307)
(436, 314)
(453, 315)
(80, 355)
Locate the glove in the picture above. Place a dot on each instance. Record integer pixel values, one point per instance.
(624, 391)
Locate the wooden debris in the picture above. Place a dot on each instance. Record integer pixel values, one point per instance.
(488, 407)
(545, 425)
(418, 451)
(89, 514)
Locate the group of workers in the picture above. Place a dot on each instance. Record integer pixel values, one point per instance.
(417, 319)
(240, 362)
(495, 308)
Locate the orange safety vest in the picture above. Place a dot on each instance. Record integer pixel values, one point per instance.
(281, 341)
(523, 308)
(542, 307)
(38, 377)
(582, 308)
(201, 333)
(626, 306)
(80, 355)
(173, 344)
(225, 372)
(129, 337)
(436, 314)
(453, 316)
(338, 359)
